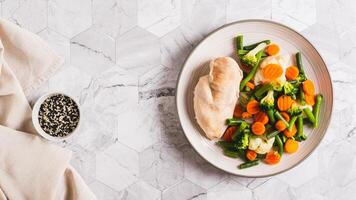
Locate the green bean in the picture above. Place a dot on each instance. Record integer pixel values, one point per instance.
(252, 46)
(248, 164)
(298, 57)
(270, 115)
(226, 145)
(280, 117)
(232, 154)
(262, 90)
(234, 122)
(252, 72)
(284, 139)
(240, 42)
(291, 123)
(300, 136)
(272, 134)
(301, 95)
(279, 144)
(309, 115)
(316, 110)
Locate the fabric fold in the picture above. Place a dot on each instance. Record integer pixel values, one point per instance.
(30, 167)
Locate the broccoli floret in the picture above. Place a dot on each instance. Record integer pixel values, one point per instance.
(290, 89)
(300, 138)
(242, 143)
(267, 102)
(250, 58)
(277, 86)
(294, 110)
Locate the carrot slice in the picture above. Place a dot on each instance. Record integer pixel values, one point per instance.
(253, 107)
(250, 85)
(246, 115)
(272, 157)
(228, 133)
(280, 126)
(290, 146)
(272, 49)
(292, 73)
(310, 99)
(308, 87)
(238, 111)
(261, 117)
(251, 155)
(272, 71)
(290, 133)
(258, 128)
(285, 116)
(284, 102)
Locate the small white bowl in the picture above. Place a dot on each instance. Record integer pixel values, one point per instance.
(35, 121)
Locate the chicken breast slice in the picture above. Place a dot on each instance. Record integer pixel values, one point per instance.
(215, 96)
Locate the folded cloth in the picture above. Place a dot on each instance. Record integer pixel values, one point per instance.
(30, 167)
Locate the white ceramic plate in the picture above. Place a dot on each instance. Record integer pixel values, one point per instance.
(221, 43)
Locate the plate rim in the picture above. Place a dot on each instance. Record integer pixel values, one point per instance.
(263, 21)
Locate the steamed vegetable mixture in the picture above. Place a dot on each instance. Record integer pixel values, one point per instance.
(275, 103)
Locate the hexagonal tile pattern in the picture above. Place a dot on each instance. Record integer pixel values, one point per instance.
(114, 17)
(161, 166)
(31, 15)
(175, 47)
(138, 51)
(191, 191)
(229, 189)
(194, 26)
(58, 42)
(138, 120)
(69, 17)
(293, 176)
(297, 14)
(126, 157)
(159, 17)
(248, 10)
(283, 192)
(196, 170)
(140, 190)
(92, 51)
(123, 58)
(64, 79)
(108, 171)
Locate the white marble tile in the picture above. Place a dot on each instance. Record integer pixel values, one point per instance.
(194, 26)
(114, 17)
(64, 79)
(109, 172)
(308, 169)
(247, 9)
(274, 189)
(196, 170)
(184, 190)
(92, 51)
(298, 14)
(69, 17)
(229, 189)
(161, 166)
(31, 15)
(138, 128)
(175, 47)
(140, 190)
(84, 162)
(104, 192)
(60, 44)
(137, 50)
(124, 156)
(159, 17)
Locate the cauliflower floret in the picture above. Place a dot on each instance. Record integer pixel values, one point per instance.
(260, 144)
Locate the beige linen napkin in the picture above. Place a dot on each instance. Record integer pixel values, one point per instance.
(30, 167)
